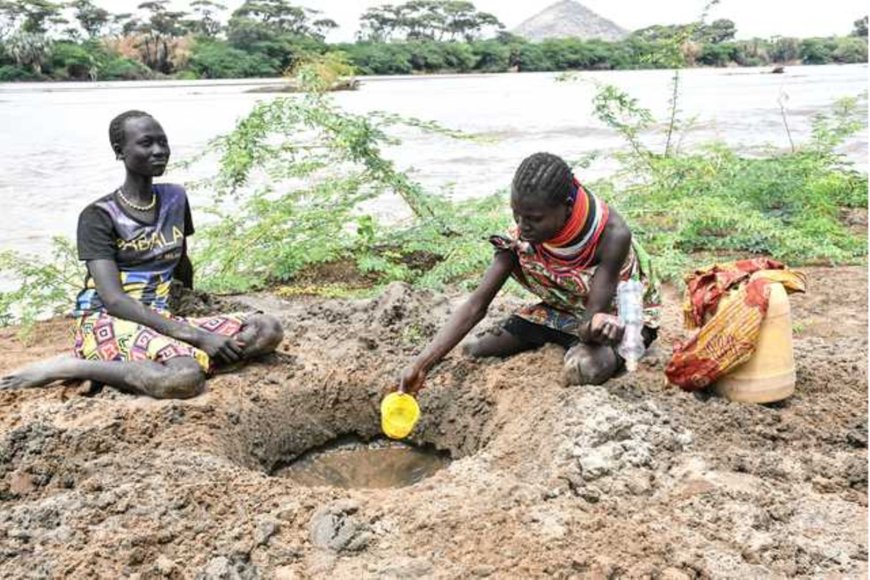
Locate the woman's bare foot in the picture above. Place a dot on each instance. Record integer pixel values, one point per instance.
(37, 374)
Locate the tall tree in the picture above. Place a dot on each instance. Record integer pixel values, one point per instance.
(717, 31)
(282, 17)
(860, 27)
(206, 21)
(124, 24)
(426, 19)
(784, 49)
(380, 23)
(31, 16)
(28, 49)
(91, 18)
(463, 20)
(158, 31)
(7, 19)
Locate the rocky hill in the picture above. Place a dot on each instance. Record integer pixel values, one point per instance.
(569, 19)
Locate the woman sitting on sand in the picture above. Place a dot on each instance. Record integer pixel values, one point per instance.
(133, 241)
(571, 250)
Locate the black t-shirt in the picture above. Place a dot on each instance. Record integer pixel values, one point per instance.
(96, 237)
(146, 253)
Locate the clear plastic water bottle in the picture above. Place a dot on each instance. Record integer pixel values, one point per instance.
(629, 297)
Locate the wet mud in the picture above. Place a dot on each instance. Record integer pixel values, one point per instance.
(630, 479)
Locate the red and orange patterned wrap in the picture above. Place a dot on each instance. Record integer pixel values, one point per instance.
(727, 335)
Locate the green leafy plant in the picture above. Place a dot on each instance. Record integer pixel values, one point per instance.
(43, 287)
(321, 164)
(687, 206)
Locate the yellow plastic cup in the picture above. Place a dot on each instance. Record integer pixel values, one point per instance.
(399, 414)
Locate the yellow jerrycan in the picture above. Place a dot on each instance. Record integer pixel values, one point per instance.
(770, 374)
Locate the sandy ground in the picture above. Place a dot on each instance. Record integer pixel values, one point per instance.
(632, 479)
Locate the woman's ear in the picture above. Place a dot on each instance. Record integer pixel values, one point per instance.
(119, 154)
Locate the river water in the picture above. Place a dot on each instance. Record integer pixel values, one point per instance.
(56, 156)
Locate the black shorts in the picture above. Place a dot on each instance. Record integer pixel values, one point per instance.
(539, 335)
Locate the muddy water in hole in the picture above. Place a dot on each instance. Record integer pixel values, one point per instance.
(352, 463)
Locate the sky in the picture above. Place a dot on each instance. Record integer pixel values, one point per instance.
(762, 18)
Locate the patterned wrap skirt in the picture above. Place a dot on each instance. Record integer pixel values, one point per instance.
(100, 336)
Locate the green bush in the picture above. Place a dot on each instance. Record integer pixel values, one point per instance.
(458, 56)
(186, 75)
(562, 54)
(785, 50)
(815, 51)
(71, 61)
(571, 53)
(491, 56)
(531, 58)
(787, 206)
(430, 56)
(712, 200)
(214, 59)
(11, 73)
(379, 58)
(717, 54)
(124, 69)
(850, 49)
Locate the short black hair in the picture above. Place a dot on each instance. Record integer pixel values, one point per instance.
(116, 127)
(544, 174)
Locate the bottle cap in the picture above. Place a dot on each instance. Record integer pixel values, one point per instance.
(399, 415)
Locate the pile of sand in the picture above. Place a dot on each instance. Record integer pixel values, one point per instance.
(631, 478)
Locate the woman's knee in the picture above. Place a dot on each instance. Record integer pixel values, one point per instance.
(262, 333)
(179, 378)
(473, 348)
(274, 332)
(597, 373)
(589, 365)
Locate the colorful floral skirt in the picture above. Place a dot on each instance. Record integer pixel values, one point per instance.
(100, 336)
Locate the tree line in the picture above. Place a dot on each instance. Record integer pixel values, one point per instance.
(79, 40)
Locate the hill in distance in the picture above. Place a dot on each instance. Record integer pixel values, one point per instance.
(569, 19)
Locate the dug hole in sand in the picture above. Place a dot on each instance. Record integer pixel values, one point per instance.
(633, 478)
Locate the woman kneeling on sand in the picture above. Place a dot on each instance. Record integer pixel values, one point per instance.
(133, 241)
(570, 249)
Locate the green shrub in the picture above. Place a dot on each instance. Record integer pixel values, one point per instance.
(531, 58)
(379, 58)
(850, 49)
(11, 73)
(214, 59)
(717, 54)
(786, 206)
(124, 69)
(491, 56)
(71, 61)
(815, 51)
(186, 75)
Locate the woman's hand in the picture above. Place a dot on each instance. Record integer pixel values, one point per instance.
(606, 328)
(224, 349)
(412, 380)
